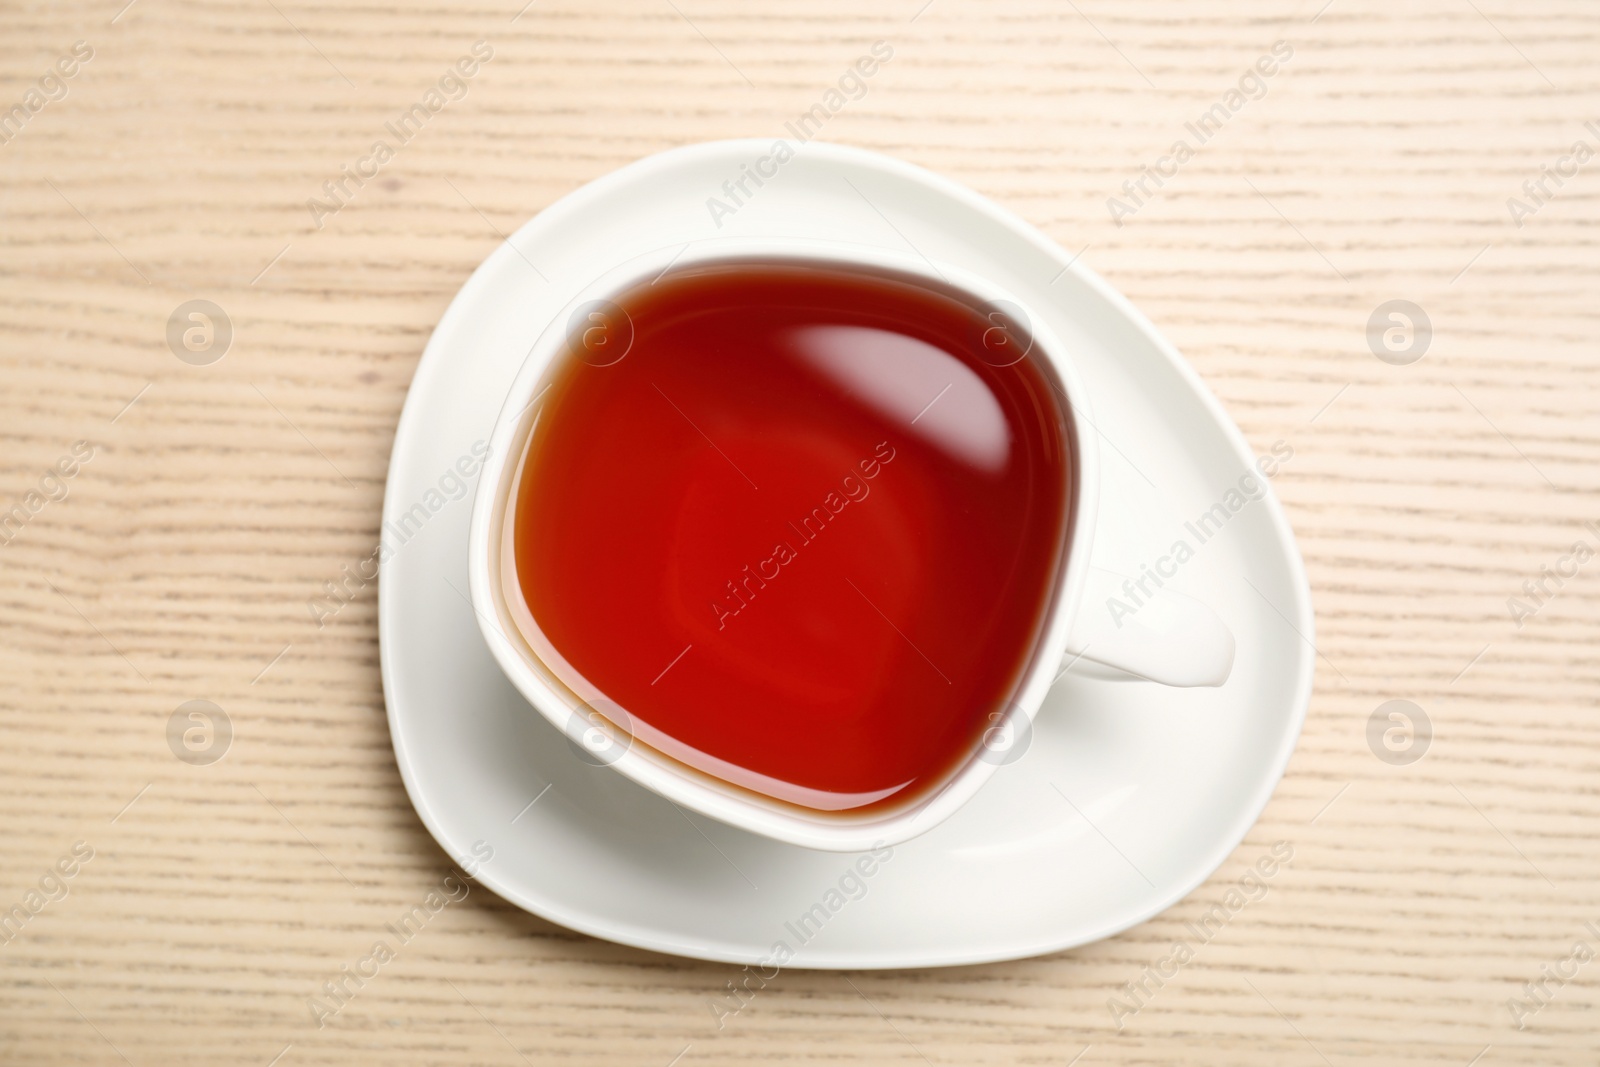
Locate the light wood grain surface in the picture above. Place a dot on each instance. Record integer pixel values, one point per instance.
(1422, 897)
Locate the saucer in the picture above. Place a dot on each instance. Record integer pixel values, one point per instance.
(1128, 794)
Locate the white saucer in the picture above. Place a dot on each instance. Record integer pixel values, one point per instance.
(1130, 794)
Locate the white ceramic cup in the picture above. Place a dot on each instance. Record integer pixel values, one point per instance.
(1174, 639)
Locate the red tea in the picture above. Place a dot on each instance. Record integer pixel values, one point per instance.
(804, 530)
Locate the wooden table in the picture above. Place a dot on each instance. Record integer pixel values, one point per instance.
(175, 563)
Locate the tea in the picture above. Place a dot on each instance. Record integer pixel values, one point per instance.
(801, 522)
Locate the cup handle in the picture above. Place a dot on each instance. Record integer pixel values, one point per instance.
(1162, 636)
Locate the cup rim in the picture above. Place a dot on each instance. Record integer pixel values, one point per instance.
(695, 788)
